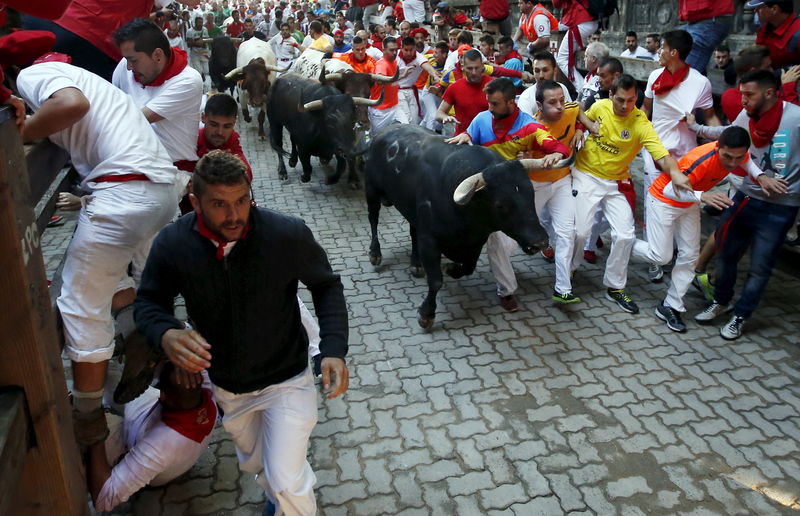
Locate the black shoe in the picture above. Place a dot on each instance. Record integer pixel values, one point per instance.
(622, 299)
(509, 303)
(317, 367)
(671, 317)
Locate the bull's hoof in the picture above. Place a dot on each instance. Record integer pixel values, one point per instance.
(283, 176)
(425, 322)
(324, 161)
(417, 271)
(305, 178)
(262, 137)
(375, 259)
(247, 118)
(292, 162)
(454, 270)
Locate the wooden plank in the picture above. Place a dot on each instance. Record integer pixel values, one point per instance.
(14, 444)
(44, 161)
(52, 479)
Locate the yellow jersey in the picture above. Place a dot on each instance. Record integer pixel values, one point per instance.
(563, 131)
(608, 155)
(321, 43)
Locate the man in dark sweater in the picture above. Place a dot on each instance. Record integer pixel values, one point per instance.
(237, 267)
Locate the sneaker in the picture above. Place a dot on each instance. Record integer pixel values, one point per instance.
(704, 285)
(590, 257)
(655, 273)
(732, 330)
(670, 316)
(55, 220)
(509, 303)
(622, 299)
(566, 298)
(549, 254)
(711, 312)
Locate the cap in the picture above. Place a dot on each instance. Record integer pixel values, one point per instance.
(442, 5)
(462, 49)
(419, 30)
(338, 32)
(20, 48)
(752, 4)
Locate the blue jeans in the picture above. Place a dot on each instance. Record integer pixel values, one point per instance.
(760, 225)
(707, 34)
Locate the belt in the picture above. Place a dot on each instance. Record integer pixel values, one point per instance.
(120, 178)
(725, 18)
(185, 165)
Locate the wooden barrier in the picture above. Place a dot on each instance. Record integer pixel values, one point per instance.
(39, 459)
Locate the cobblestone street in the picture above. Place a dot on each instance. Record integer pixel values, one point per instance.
(549, 410)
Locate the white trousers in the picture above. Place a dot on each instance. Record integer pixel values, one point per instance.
(591, 193)
(115, 224)
(670, 224)
(407, 107)
(430, 105)
(414, 11)
(499, 247)
(562, 58)
(380, 118)
(556, 205)
(270, 429)
(599, 227)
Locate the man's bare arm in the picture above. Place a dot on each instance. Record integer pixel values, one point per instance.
(63, 109)
(647, 107)
(711, 117)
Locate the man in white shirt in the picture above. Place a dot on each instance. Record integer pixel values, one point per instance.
(544, 69)
(632, 48)
(166, 90)
(411, 64)
(284, 46)
(373, 52)
(592, 56)
(673, 90)
(134, 190)
(198, 51)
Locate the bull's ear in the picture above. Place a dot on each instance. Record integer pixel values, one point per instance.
(468, 187)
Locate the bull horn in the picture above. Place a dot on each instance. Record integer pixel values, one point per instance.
(361, 101)
(314, 105)
(275, 68)
(336, 76)
(468, 187)
(384, 79)
(532, 165)
(233, 73)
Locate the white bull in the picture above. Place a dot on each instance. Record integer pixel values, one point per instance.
(310, 65)
(255, 68)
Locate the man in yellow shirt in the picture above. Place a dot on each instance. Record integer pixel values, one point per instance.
(618, 130)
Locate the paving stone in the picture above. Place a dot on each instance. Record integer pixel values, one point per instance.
(439, 471)
(570, 498)
(627, 487)
(470, 483)
(502, 496)
(343, 492)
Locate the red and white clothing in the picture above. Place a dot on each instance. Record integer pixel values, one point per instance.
(285, 49)
(120, 217)
(176, 99)
(198, 56)
(581, 26)
(387, 112)
(161, 444)
(467, 99)
(539, 23)
(408, 96)
(232, 146)
(413, 11)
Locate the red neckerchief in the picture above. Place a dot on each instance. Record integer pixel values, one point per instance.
(410, 60)
(668, 80)
(502, 126)
(376, 42)
(764, 127)
(195, 423)
(175, 65)
(204, 231)
(511, 55)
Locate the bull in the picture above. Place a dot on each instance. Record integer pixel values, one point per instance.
(222, 61)
(453, 198)
(255, 64)
(320, 121)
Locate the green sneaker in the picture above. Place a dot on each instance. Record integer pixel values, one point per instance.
(565, 298)
(704, 285)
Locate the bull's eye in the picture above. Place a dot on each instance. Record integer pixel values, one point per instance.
(516, 188)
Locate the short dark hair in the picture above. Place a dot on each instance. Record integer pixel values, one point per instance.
(315, 26)
(441, 45)
(409, 40)
(506, 41)
(544, 55)
(488, 39)
(473, 55)
(612, 63)
(654, 36)
(284, 24)
(623, 82)
(389, 39)
(357, 40)
(749, 58)
(722, 47)
(764, 78)
(680, 40)
(504, 86)
(631, 34)
(465, 37)
(221, 104)
(545, 86)
(785, 5)
(218, 168)
(146, 36)
(734, 137)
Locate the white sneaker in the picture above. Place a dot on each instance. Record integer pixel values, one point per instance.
(655, 273)
(711, 312)
(732, 330)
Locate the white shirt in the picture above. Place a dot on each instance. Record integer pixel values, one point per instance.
(177, 41)
(177, 101)
(640, 53)
(284, 49)
(668, 109)
(113, 137)
(157, 454)
(196, 34)
(452, 59)
(527, 100)
(415, 65)
(590, 87)
(374, 52)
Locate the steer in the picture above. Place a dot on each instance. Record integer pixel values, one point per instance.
(223, 60)
(255, 64)
(320, 120)
(453, 197)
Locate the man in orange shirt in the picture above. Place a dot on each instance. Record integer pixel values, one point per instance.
(357, 57)
(384, 114)
(675, 216)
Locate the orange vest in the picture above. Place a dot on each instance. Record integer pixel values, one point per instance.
(528, 27)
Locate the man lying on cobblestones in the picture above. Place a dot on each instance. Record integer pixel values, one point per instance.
(237, 267)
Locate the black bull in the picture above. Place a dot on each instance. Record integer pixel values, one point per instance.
(453, 198)
(222, 61)
(320, 120)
